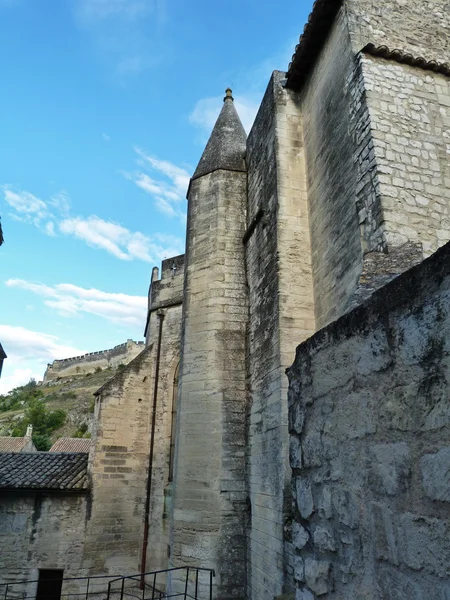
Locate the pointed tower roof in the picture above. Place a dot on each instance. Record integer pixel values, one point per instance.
(227, 144)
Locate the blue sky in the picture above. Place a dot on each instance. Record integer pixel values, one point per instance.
(105, 109)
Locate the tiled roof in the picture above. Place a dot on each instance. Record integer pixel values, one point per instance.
(43, 471)
(407, 59)
(315, 33)
(71, 445)
(13, 444)
(319, 23)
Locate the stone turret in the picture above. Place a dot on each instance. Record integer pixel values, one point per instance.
(209, 482)
(226, 146)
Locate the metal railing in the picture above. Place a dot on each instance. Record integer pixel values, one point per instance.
(188, 583)
(191, 583)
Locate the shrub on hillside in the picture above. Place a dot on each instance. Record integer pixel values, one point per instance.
(44, 422)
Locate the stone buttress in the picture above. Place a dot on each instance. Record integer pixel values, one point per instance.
(209, 512)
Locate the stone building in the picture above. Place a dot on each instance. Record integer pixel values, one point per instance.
(315, 230)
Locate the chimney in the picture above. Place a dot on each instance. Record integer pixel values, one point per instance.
(29, 432)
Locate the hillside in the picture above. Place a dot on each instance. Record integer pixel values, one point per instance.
(73, 395)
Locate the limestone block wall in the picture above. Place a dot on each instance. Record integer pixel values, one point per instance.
(410, 122)
(419, 27)
(278, 263)
(369, 416)
(339, 160)
(119, 467)
(164, 316)
(209, 509)
(40, 531)
(161, 492)
(87, 363)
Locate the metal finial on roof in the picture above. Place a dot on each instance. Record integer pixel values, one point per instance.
(228, 95)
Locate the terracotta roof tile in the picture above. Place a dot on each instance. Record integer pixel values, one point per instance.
(13, 444)
(44, 471)
(71, 445)
(319, 23)
(406, 58)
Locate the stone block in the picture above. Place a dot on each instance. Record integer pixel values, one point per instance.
(304, 497)
(384, 533)
(389, 468)
(436, 475)
(300, 536)
(324, 539)
(424, 543)
(299, 569)
(317, 576)
(303, 594)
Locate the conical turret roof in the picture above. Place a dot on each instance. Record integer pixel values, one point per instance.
(227, 144)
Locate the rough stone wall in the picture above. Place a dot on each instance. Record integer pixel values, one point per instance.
(410, 121)
(168, 290)
(419, 27)
(281, 308)
(209, 507)
(119, 466)
(166, 303)
(338, 158)
(40, 531)
(80, 365)
(369, 420)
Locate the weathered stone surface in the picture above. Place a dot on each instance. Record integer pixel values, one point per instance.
(299, 535)
(436, 474)
(303, 594)
(389, 468)
(381, 487)
(425, 544)
(324, 539)
(384, 532)
(299, 569)
(317, 576)
(304, 497)
(41, 529)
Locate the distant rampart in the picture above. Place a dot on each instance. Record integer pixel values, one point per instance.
(88, 363)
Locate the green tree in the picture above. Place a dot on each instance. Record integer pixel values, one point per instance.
(20, 396)
(43, 421)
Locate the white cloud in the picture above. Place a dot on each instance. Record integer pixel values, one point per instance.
(31, 209)
(118, 240)
(96, 232)
(18, 377)
(71, 300)
(61, 202)
(206, 111)
(50, 228)
(24, 343)
(26, 346)
(169, 191)
(28, 206)
(179, 177)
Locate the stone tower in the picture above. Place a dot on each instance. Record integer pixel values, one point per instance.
(209, 483)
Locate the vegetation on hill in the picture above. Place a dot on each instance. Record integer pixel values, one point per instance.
(63, 408)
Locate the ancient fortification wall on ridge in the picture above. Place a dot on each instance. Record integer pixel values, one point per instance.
(87, 363)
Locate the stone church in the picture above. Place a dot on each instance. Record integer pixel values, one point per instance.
(315, 245)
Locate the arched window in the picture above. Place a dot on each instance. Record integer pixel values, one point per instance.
(173, 427)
